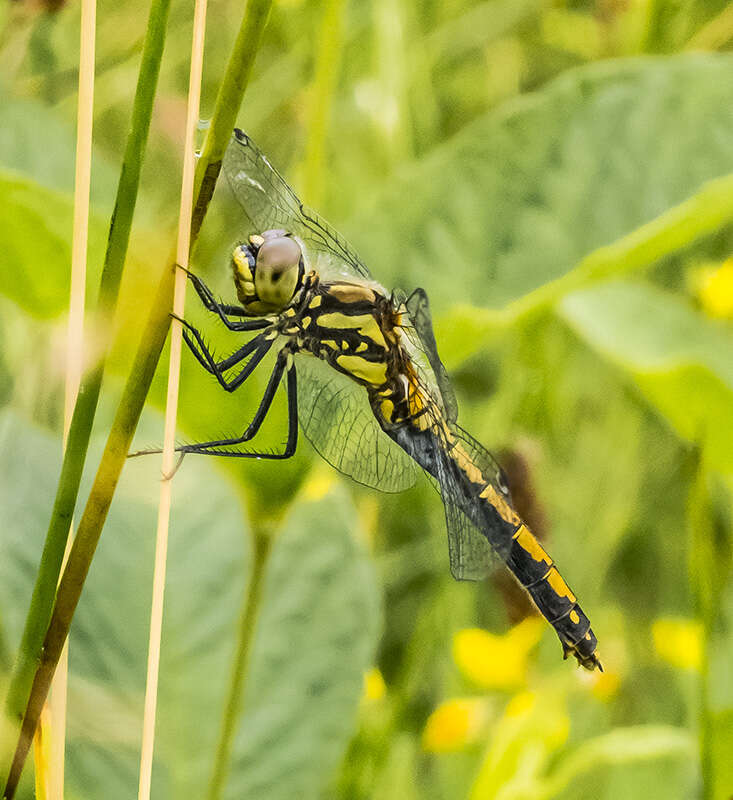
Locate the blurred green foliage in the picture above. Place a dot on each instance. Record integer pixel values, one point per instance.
(480, 150)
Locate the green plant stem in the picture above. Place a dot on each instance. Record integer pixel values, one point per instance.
(90, 524)
(707, 578)
(634, 744)
(707, 764)
(228, 101)
(234, 707)
(44, 591)
(138, 383)
(324, 85)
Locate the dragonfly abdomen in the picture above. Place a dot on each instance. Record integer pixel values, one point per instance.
(532, 566)
(488, 508)
(537, 573)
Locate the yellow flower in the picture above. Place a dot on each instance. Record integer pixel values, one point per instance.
(374, 686)
(454, 724)
(678, 641)
(533, 715)
(522, 703)
(497, 662)
(319, 484)
(715, 290)
(605, 685)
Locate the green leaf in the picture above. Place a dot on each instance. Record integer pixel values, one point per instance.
(35, 231)
(520, 196)
(315, 635)
(619, 746)
(679, 359)
(39, 143)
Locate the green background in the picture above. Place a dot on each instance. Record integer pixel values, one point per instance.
(479, 150)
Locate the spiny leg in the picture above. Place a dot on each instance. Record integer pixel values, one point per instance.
(214, 448)
(224, 309)
(205, 357)
(207, 296)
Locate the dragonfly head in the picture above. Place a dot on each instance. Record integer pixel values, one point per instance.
(268, 271)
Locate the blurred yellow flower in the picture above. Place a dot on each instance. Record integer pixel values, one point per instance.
(319, 484)
(715, 290)
(605, 685)
(497, 662)
(374, 686)
(519, 705)
(543, 713)
(454, 724)
(678, 641)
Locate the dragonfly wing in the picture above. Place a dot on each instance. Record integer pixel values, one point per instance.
(474, 543)
(483, 459)
(270, 203)
(418, 309)
(471, 556)
(335, 415)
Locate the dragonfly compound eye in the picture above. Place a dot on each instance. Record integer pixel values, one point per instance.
(278, 270)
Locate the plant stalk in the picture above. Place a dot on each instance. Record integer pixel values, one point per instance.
(44, 591)
(234, 707)
(707, 567)
(324, 84)
(138, 383)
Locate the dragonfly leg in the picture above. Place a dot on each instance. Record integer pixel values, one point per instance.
(259, 346)
(206, 358)
(224, 310)
(214, 448)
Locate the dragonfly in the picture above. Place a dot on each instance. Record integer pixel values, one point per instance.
(365, 383)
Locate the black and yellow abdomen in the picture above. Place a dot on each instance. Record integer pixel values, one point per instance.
(536, 571)
(530, 563)
(356, 329)
(532, 566)
(441, 454)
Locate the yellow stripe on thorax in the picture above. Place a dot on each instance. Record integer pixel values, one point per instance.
(374, 373)
(365, 324)
(351, 292)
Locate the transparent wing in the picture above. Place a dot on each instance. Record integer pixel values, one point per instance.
(476, 536)
(472, 547)
(335, 415)
(483, 459)
(471, 556)
(269, 202)
(418, 309)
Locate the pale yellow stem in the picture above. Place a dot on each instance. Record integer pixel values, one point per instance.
(55, 730)
(161, 542)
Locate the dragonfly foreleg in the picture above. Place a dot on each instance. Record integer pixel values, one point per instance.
(206, 358)
(259, 346)
(214, 448)
(224, 310)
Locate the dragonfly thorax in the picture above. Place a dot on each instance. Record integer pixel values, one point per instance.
(268, 271)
